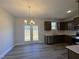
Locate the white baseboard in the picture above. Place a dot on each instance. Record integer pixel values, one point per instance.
(19, 44)
(1, 56)
(26, 43)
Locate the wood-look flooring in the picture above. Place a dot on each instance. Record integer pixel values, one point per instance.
(38, 51)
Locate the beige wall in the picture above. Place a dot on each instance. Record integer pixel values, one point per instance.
(20, 31)
(6, 32)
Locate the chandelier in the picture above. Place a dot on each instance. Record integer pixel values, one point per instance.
(29, 20)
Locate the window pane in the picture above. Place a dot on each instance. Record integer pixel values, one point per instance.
(27, 33)
(35, 33)
(53, 24)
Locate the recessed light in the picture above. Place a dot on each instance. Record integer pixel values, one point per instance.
(69, 11)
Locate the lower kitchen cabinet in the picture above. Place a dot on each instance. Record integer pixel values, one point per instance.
(48, 40)
(53, 39)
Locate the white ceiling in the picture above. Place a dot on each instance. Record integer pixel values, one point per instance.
(40, 8)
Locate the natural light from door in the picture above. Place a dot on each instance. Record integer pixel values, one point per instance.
(35, 33)
(27, 33)
(30, 32)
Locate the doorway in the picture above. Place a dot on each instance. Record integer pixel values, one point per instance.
(31, 33)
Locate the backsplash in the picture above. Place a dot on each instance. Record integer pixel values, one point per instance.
(60, 32)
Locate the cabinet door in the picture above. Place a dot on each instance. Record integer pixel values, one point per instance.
(76, 20)
(47, 25)
(63, 26)
(76, 23)
(70, 25)
(48, 40)
(58, 25)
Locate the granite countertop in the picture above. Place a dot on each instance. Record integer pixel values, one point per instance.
(74, 48)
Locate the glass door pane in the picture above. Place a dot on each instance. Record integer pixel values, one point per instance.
(35, 33)
(27, 33)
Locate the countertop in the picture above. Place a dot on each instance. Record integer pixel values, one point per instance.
(51, 33)
(74, 48)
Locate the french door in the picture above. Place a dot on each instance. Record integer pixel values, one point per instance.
(31, 33)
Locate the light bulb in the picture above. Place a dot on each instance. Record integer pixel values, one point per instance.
(25, 21)
(69, 11)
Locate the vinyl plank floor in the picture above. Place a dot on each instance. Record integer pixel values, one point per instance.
(38, 51)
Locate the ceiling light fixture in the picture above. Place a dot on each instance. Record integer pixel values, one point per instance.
(69, 11)
(29, 21)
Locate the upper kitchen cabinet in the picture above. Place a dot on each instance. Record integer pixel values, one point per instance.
(63, 26)
(76, 23)
(73, 24)
(47, 25)
(68, 25)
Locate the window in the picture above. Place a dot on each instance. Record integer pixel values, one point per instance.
(27, 33)
(35, 33)
(53, 26)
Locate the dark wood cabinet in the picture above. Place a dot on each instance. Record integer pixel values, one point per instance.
(48, 39)
(62, 39)
(70, 25)
(76, 23)
(58, 39)
(73, 24)
(58, 25)
(67, 25)
(47, 25)
(63, 25)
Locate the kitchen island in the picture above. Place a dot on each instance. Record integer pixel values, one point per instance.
(73, 52)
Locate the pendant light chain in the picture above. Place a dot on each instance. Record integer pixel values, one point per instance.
(29, 17)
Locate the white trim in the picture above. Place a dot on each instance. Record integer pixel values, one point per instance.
(1, 56)
(26, 43)
(19, 44)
